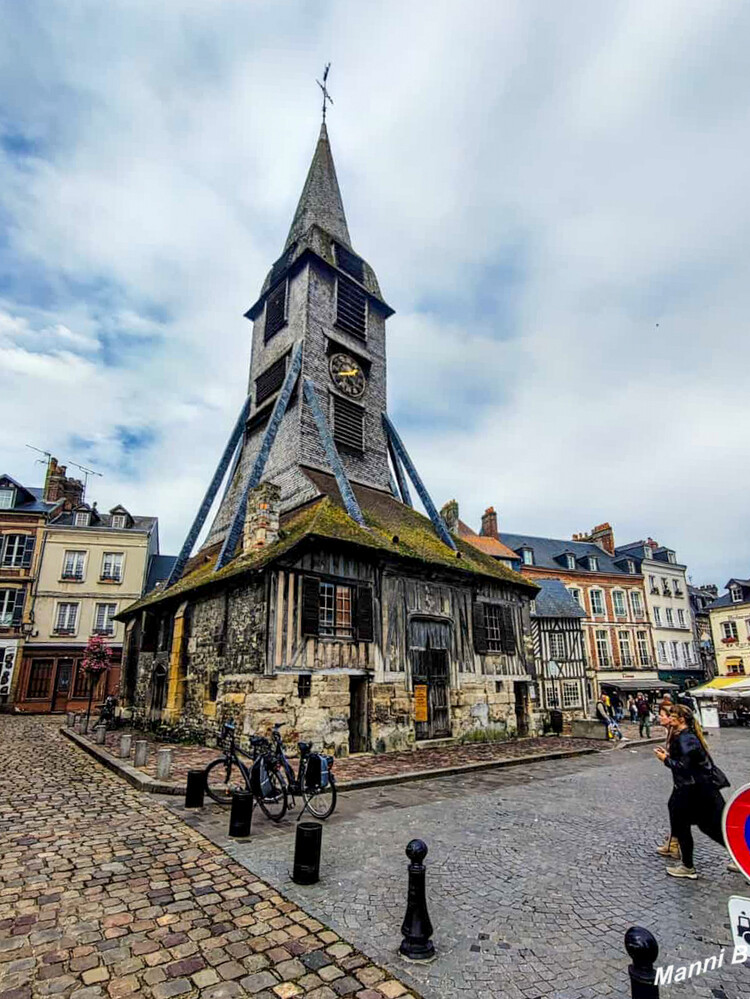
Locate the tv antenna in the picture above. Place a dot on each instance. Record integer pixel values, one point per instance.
(47, 455)
(86, 473)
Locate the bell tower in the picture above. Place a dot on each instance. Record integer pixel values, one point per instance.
(322, 296)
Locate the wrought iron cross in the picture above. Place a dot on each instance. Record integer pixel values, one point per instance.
(326, 96)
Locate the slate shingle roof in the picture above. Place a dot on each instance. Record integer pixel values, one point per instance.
(546, 551)
(554, 600)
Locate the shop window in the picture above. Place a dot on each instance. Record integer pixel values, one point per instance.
(40, 678)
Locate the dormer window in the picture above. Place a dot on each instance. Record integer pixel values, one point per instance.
(527, 556)
(119, 521)
(594, 563)
(630, 566)
(82, 518)
(735, 592)
(570, 561)
(670, 557)
(7, 498)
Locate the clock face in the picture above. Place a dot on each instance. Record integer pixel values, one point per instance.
(347, 375)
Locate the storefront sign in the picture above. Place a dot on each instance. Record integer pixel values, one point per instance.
(420, 703)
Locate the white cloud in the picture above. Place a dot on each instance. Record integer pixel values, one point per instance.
(537, 187)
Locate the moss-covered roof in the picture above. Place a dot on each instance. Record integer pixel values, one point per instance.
(392, 528)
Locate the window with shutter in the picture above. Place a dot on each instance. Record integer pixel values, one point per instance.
(348, 424)
(480, 630)
(351, 308)
(365, 618)
(275, 311)
(508, 636)
(270, 380)
(7, 607)
(28, 552)
(350, 263)
(14, 549)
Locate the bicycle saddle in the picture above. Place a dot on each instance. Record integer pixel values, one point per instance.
(304, 748)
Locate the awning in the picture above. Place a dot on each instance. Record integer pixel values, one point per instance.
(724, 686)
(639, 684)
(733, 661)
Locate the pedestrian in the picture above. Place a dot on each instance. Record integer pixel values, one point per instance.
(602, 714)
(644, 717)
(632, 708)
(696, 799)
(616, 707)
(671, 847)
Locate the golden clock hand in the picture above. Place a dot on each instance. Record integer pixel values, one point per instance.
(349, 374)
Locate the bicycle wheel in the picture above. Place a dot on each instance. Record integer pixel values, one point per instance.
(274, 804)
(321, 801)
(219, 782)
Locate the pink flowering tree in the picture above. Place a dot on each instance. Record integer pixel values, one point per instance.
(97, 657)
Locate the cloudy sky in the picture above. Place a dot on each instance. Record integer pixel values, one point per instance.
(554, 197)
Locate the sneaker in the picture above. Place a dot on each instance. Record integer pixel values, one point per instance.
(683, 872)
(731, 866)
(669, 849)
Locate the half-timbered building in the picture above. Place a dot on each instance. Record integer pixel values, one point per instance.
(321, 598)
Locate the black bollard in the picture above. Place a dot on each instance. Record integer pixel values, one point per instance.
(196, 788)
(643, 949)
(241, 815)
(306, 870)
(417, 928)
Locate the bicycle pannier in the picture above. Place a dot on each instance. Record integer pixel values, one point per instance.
(316, 774)
(259, 780)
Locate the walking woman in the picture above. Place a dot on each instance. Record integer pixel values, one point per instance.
(695, 799)
(670, 848)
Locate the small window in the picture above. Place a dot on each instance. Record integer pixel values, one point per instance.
(618, 599)
(73, 564)
(670, 617)
(570, 561)
(275, 311)
(304, 686)
(499, 632)
(335, 610)
(670, 557)
(681, 617)
(652, 584)
(119, 521)
(657, 616)
(40, 678)
(602, 647)
(82, 518)
(636, 603)
(351, 308)
(66, 619)
(666, 590)
(348, 424)
(597, 602)
(729, 631)
(576, 595)
(270, 381)
(112, 563)
(350, 263)
(7, 498)
(557, 649)
(626, 655)
(735, 593)
(630, 566)
(553, 697)
(571, 694)
(642, 643)
(594, 563)
(527, 556)
(103, 623)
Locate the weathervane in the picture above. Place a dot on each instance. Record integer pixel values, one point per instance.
(324, 88)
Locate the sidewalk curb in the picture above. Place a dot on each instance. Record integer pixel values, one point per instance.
(140, 781)
(143, 782)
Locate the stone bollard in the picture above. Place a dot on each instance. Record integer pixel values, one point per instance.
(307, 844)
(241, 815)
(100, 735)
(71, 719)
(196, 786)
(163, 763)
(126, 743)
(417, 928)
(141, 753)
(83, 724)
(643, 949)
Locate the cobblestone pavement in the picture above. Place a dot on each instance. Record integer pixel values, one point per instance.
(366, 765)
(534, 874)
(104, 892)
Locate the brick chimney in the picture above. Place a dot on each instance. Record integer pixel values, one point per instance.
(489, 523)
(449, 513)
(601, 535)
(262, 517)
(58, 486)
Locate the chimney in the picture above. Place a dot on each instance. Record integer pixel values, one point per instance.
(449, 513)
(489, 523)
(601, 535)
(262, 517)
(58, 486)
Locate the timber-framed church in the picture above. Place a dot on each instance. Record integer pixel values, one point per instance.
(321, 598)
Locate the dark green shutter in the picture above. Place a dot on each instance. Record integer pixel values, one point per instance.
(310, 606)
(364, 614)
(18, 608)
(28, 551)
(507, 631)
(480, 628)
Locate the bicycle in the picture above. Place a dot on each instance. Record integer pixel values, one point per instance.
(261, 779)
(314, 781)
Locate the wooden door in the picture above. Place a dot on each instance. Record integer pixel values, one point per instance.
(521, 692)
(358, 736)
(431, 671)
(63, 679)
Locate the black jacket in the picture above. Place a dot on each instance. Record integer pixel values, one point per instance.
(688, 760)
